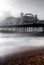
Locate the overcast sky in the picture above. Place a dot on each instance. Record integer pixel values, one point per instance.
(27, 6)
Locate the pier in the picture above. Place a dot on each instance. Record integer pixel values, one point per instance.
(24, 28)
(26, 23)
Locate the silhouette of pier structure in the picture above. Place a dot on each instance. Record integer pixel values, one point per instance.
(28, 23)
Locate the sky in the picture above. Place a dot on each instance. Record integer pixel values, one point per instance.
(15, 7)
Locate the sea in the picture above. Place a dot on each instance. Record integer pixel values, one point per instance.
(14, 42)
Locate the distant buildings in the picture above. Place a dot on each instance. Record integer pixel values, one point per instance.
(23, 19)
(27, 18)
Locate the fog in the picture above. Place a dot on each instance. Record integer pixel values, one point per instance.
(15, 7)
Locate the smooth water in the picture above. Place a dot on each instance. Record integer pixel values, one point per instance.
(13, 42)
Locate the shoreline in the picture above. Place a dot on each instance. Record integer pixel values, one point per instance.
(28, 57)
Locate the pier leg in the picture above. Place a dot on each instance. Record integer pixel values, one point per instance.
(43, 29)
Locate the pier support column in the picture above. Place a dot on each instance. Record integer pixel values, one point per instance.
(42, 29)
(24, 29)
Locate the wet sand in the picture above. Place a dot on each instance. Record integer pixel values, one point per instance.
(27, 57)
